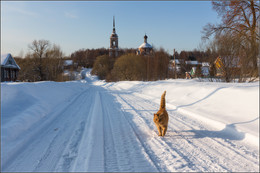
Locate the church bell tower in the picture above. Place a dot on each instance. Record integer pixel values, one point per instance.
(113, 50)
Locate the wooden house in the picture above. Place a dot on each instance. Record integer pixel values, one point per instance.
(9, 68)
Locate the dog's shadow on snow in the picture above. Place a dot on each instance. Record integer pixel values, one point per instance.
(230, 132)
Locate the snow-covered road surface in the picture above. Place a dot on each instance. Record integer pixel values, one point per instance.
(105, 129)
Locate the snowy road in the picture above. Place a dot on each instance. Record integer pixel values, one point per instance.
(107, 130)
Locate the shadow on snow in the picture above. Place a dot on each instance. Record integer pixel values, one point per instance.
(230, 132)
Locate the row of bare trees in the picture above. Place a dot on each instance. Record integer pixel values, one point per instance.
(87, 57)
(44, 61)
(236, 38)
(132, 67)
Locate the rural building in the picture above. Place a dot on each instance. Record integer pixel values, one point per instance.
(68, 64)
(205, 68)
(9, 68)
(195, 64)
(172, 65)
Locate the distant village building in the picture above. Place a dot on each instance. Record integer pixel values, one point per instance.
(172, 65)
(145, 48)
(9, 68)
(205, 68)
(113, 50)
(68, 64)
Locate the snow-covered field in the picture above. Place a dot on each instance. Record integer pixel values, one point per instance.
(91, 125)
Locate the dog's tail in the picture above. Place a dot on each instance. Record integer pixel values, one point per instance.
(163, 100)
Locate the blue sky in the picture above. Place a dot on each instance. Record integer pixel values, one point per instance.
(74, 25)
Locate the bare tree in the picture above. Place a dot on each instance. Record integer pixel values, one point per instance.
(54, 63)
(46, 61)
(241, 20)
(228, 50)
(39, 49)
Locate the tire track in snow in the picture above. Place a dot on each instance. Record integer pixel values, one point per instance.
(128, 155)
(91, 148)
(69, 135)
(196, 145)
(223, 146)
(71, 151)
(111, 153)
(33, 132)
(116, 137)
(47, 144)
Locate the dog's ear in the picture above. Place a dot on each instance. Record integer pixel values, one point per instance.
(154, 115)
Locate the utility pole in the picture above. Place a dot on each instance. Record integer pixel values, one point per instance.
(175, 74)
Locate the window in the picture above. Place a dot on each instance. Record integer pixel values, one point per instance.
(10, 62)
(7, 74)
(4, 74)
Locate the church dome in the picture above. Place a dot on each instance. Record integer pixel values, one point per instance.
(145, 48)
(145, 45)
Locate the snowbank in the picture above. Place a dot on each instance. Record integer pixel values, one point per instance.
(23, 105)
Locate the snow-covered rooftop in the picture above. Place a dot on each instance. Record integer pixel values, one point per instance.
(204, 64)
(145, 45)
(68, 62)
(4, 61)
(4, 58)
(192, 62)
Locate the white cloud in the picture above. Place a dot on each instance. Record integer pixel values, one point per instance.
(17, 7)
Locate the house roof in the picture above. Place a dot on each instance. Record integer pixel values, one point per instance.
(176, 60)
(68, 62)
(8, 61)
(192, 62)
(205, 64)
(4, 58)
